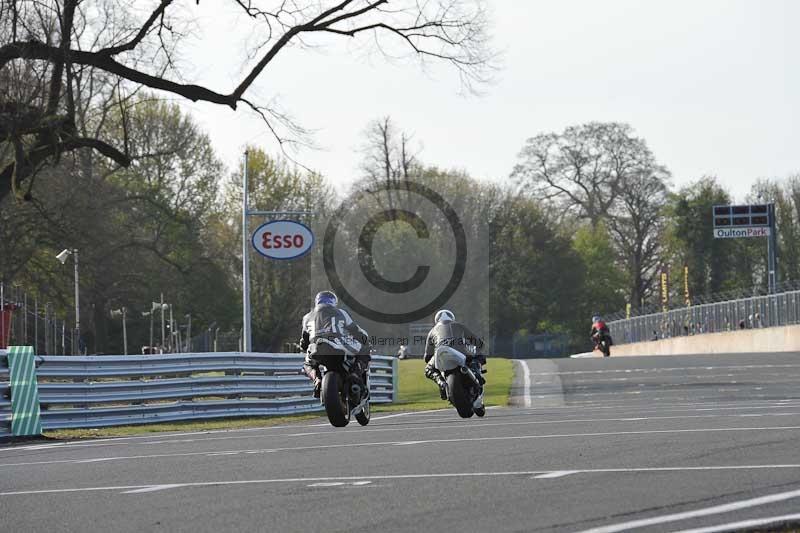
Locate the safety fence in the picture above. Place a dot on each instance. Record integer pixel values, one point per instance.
(31, 321)
(756, 312)
(100, 391)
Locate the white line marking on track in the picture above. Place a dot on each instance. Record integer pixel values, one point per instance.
(153, 488)
(557, 473)
(167, 439)
(362, 479)
(526, 376)
(472, 425)
(717, 509)
(744, 524)
(341, 484)
(430, 441)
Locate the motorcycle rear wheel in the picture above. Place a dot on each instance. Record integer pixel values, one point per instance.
(336, 407)
(458, 395)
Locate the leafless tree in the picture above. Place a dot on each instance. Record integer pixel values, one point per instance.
(582, 169)
(389, 156)
(47, 46)
(602, 171)
(636, 224)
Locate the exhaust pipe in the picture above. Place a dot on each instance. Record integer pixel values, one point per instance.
(466, 371)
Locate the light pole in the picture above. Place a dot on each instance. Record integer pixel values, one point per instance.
(150, 314)
(172, 337)
(121, 312)
(246, 334)
(158, 305)
(62, 257)
(772, 250)
(188, 332)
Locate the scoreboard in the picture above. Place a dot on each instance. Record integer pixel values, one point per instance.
(735, 221)
(756, 220)
(737, 216)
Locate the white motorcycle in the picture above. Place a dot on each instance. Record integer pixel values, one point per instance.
(464, 389)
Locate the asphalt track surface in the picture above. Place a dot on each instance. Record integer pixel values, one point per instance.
(682, 443)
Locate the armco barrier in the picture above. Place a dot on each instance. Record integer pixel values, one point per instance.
(97, 391)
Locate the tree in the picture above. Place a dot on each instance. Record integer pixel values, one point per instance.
(603, 288)
(46, 46)
(583, 169)
(388, 155)
(715, 265)
(785, 194)
(537, 276)
(603, 172)
(636, 224)
(140, 230)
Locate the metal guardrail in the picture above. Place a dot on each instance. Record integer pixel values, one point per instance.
(756, 312)
(5, 397)
(100, 391)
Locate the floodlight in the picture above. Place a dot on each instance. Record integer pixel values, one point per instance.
(63, 255)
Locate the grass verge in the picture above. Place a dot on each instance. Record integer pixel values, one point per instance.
(416, 394)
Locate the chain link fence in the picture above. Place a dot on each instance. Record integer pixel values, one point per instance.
(745, 313)
(26, 320)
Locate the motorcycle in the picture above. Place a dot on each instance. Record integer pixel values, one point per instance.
(344, 394)
(464, 389)
(602, 342)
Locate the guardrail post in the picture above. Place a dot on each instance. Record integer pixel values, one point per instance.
(395, 380)
(25, 418)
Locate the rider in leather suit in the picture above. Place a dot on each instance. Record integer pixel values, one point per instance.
(448, 332)
(328, 330)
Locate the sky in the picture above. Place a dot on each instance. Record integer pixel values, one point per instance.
(713, 86)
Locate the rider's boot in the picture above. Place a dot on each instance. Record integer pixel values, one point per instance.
(442, 387)
(436, 376)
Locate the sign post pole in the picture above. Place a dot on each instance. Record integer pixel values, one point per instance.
(772, 265)
(247, 332)
(247, 339)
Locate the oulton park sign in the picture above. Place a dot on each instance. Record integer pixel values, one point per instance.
(737, 221)
(735, 233)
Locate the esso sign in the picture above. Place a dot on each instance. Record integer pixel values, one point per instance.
(283, 239)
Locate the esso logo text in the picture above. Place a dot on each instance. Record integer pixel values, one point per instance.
(283, 239)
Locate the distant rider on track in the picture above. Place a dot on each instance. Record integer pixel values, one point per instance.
(599, 332)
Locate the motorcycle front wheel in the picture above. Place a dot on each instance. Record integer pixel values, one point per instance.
(336, 406)
(458, 394)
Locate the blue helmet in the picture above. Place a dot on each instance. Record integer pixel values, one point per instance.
(326, 298)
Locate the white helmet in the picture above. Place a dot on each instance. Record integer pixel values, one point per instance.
(443, 315)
